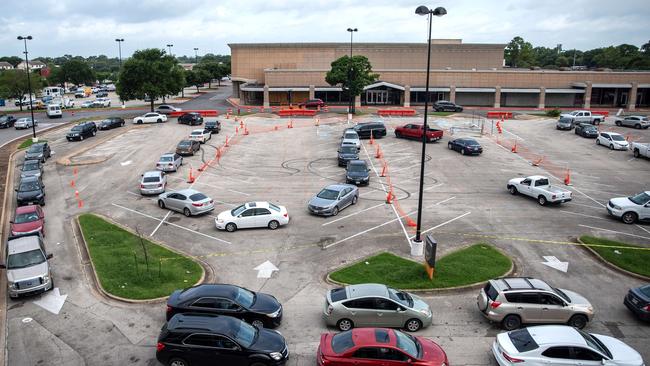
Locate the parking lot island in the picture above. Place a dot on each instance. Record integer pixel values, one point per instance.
(631, 259)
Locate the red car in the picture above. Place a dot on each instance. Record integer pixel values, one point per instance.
(414, 131)
(28, 219)
(313, 103)
(378, 346)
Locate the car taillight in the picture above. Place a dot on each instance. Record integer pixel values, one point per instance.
(329, 309)
(286, 214)
(169, 309)
(647, 307)
(197, 204)
(511, 359)
(160, 347)
(495, 304)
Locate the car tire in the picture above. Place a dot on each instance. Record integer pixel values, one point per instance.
(335, 211)
(122, 124)
(257, 323)
(618, 123)
(139, 122)
(636, 153)
(611, 146)
(629, 218)
(161, 204)
(175, 361)
(542, 200)
(637, 126)
(187, 212)
(597, 141)
(511, 322)
(462, 151)
(231, 227)
(355, 199)
(94, 133)
(81, 137)
(159, 120)
(513, 190)
(449, 146)
(344, 324)
(413, 325)
(273, 225)
(578, 321)
(398, 135)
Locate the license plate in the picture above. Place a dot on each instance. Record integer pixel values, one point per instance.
(358, 182)
(635, 301)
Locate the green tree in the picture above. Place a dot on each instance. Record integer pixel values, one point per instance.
(197, 77)
(13, 84)
(76, 72)
(150, 73)
(352, 74)
(519, 53)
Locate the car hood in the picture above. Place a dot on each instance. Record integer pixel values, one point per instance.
(265, 304)
(576, 299)
(26, 173)
(622, 143)
(622, 202)
(361, 175)
(621, 352)
(268, 341)
(28, 194)
(27, 226)
(225, 215)
(568, 123)
(320, 202)
(516, 180)
(20, 274)
(432, 352)
(350, 141)
(32, 155)
(566, 115)
(419, 304)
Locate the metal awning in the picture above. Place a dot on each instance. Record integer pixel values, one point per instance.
(565, 91)
(384, 83)
(601, 85)
(431, 89)
(520, 90)
(475, 90)
(328, 88)
(286, 89)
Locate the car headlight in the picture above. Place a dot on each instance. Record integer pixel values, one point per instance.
(276, 356)
(617, 208)
(590, 309)
(274, 314)
(425, 312)
(46, 278)
(220, 221)
(12, 285)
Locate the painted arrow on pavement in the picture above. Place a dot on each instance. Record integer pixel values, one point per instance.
(553, 262)
(52, 301)
(265, 270)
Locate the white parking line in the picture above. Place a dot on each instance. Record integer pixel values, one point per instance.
(400, 159)
(169, 223)
(352, 214)
(404, 168)
(444, 223)
(506, 131)
(399, 218)
(160, 223)
(617, 232)
(642, 228)
(580, 204)
(434, 186)
(579, 214)
(242, 193)
(445, 200)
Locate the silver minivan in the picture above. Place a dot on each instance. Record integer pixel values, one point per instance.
(375, 305)
(28, 270)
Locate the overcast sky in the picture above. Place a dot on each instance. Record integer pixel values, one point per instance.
(83, 27)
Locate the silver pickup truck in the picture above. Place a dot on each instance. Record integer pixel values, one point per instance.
(28, 270)
(583, 117)
(538, 187)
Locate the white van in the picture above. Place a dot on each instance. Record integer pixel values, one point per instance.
(53, 91)
(54, 111)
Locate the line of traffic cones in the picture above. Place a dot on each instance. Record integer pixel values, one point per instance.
(378, 153)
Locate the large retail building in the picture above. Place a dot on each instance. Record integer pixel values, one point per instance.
(465, 73)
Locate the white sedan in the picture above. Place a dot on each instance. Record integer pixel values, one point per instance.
(200, 135)
(561, 345)
(253, 214)
(150, 118)
(613, 140)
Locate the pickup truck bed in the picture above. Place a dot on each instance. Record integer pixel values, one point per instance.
(414, 131)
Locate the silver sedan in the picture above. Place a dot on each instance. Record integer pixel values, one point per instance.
(188, 201)
(333, 198)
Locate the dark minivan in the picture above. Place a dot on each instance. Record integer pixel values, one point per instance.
(357, 172)
(212, 126)
(378, 130)
(192, 339)
(82, 130)
(111, 122)
(192, 119)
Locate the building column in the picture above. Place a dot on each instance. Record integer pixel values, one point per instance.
(407, 96)
(497, 97)
(542, 98)
(312, 92)
(587, 101)
(631, 99)
(357, 101)
(452, 93)
(266, 96)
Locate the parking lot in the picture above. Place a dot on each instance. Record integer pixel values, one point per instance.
(465, 202)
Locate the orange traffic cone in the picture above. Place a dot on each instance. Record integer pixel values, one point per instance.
(275, 128)
(514, 147)
(241, 123)
(378, 154)
(226, 143)
(372, 139)
(567, 178)
(80, 203)
(389, 197)
(76, 194)
(190, 179)
(318, 121)
(72, 183)
(290, 124)
(410, 222)
(383, 170)
(538, 161)
(236, 130)
(245, 131)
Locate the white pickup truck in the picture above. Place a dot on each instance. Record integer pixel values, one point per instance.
(641, 149)
(584, 117)
(539, 187)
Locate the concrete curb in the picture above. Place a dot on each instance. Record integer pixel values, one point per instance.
(610, 264)
(470, 286)
(207, 274)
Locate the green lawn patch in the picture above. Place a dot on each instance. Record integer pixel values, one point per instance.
(27, 143)
(119, 261)
(441, 114)
(477, 263)
(621, 255)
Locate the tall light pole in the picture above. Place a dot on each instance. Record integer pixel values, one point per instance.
(196, 55)
(169, 47)
(29, 84)
(119, 50)
(423, 10)
(350, 96)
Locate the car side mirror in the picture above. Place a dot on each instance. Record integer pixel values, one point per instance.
(11, 221)
(49, 256)
(16, 189)
(2, 265)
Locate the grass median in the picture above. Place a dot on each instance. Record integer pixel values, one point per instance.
(27, 143)
(120, 260)
(477, 263)
(622, 255)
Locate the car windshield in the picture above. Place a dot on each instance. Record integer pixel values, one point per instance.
(35, 149)
(3, 118)
(617, 137)
(348, 150)
(25, 259)
(28, 186)
(246, 334)
(645, 290)
(328, 194)
(342, 342)
(401, 297)
(562, 294)
(640, 199)
(238, 210)
(150, 179)
(76, 129)
(245, 298)
(594, 343)
(26, 217)
(198, 197)
(590, 128)
(351, 136)
(184, 143)
(195, 133)
(574, 113)
(32, 165)
(166, 158)
(408, 344)
(357, 168)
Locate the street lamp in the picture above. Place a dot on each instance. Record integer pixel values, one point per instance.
(196, 55)
(350, 97)
(169, 46)
(423, 10)
(29, 85)
(119, 48)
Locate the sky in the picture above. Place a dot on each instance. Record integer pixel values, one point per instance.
(83, 27)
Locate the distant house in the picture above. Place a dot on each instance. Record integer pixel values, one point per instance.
(188, 67)
(5, 65)
(33, 65)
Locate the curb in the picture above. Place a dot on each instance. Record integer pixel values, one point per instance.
(610, 264)
(470, 286)
(207, 274)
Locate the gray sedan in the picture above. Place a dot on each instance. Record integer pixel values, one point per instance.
(332, 199)
(188, 201)
(169, 162)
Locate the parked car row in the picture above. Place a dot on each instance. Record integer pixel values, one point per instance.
(30, 189)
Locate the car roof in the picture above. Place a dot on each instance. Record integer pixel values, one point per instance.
(366, 289)
(337, 187)
(257, 204)
(25, 209)
(521, 283)
(22, 244)
(612, 133)
(556, 334)
(185, 141)
(198, 130)
(373, 337)
(152, 173)
(214, 323)
(30, 178)
(209, 290)
(358, 162)
(537, 177)
(186, 192)
(350, 131)
(168, 154)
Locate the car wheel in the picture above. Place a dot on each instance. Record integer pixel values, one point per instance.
(618, 123)
(398, 135)
(94, 133)
(230, 227)
(637, 126)
(629, 218)
(81, 137)
(257, 324)
(413, 325)
(159, 120)
(511, 322)
(274, 225)
(636, 153)
(344, 324)
(597, 141)
(541, 200)
(462, 151)
(335, 211)
(187, 212)
(578, 321)
(122, 124)
(513, 190)
(355, 199)
(449, 146)
(611, 146)
(177, 362)
(139, 122)
(161, 204)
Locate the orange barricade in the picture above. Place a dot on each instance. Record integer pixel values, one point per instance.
(499, 114)
(396, 112)
(202, 112)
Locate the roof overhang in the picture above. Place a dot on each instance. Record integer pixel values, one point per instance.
(601, 85)
(475, 90)
(565, 91)
(384, 83)
(519, 90)
(431, 89)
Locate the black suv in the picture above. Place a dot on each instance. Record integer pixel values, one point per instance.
(111, 122)
(586, 130)
(357, 172)
(347, 153)
(7, 121)
(101, 94)
(30, 191)
(39, 151)
(84, 129)
(192, 119)
(191, 339)
(213, 126)
(378, 130)
(445, 106)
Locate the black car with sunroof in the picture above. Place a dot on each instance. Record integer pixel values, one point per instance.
(256, 308)
(638, 301)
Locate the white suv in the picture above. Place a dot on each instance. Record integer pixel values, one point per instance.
(613, 140)
(630, 209)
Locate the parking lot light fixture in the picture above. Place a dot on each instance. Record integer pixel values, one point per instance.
(29, 85)
(119, 50)
(169, 47)
(350, 97)
(196, 55)
(439, 11)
